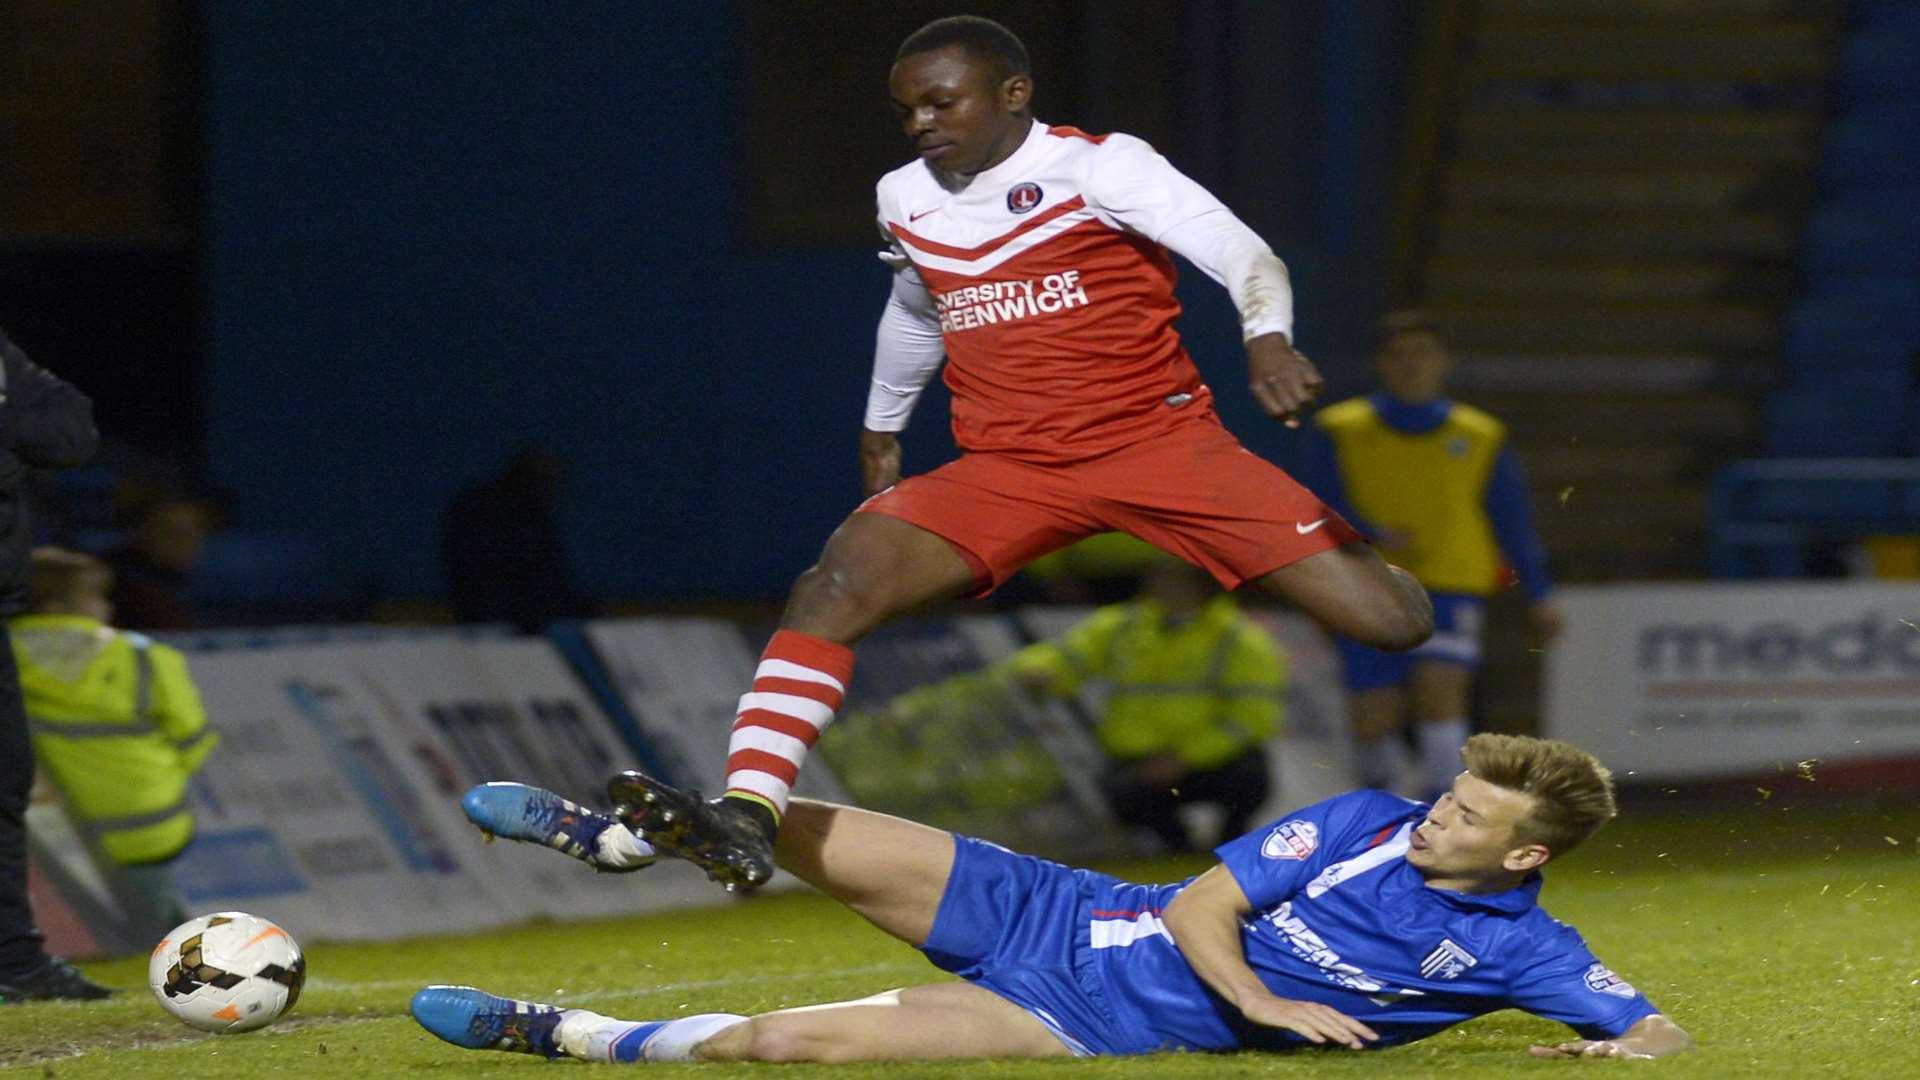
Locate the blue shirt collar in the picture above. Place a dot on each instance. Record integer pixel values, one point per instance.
(1415, 418)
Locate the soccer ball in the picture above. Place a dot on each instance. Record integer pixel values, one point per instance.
(227, 972)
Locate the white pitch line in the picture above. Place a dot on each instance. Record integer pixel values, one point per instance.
(318, 1023)
(655, 988)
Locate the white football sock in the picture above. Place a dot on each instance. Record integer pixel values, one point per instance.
(617, 848)
(676, 1041)
(1440, 742)
(589, 1036)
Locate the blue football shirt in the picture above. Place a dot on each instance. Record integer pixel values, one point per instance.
(1341, 918)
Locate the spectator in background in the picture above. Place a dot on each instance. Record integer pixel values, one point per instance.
(506, 559)
(1437, 488)
(1193, 693)
(151, 569)
(117, 723)
(44, 423)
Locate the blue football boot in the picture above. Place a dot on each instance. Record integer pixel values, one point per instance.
(477, 1020)
(538, 816)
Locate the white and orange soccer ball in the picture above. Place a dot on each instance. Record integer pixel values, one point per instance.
(227, 972)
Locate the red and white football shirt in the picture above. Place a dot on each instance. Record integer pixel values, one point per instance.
(1054, 294)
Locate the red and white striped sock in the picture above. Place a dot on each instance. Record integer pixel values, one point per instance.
(798, 687)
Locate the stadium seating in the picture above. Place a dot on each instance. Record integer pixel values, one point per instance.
(1850, 345)
(1869, 323)
(1842, 414)
(1876, 65)
(1767, 514)
(1865, 233)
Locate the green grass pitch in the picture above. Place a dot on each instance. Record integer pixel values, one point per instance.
(1786, 938)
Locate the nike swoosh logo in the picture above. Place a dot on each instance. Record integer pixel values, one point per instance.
(916, 217)
(1305, 529)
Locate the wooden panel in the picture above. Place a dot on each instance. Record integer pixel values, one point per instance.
(96, 130)
(1610, 138)
(1725, 188)
(1644, 235)
(1640, 327)
(1470, 279)
(1758, 49)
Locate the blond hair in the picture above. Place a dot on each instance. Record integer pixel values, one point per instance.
(1572, 792)
(57, 576)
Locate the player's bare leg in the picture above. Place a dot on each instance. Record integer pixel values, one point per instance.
(891, 871)
(1355, 593)
(1377, 717)
(920, 1023)
(1442, 694)
(874, 567)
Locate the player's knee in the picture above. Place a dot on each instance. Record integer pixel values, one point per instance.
(834, 601)
(1404, 629)
(1405, 621)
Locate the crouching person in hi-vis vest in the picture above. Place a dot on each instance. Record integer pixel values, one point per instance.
(116, 722)
(1193, 693)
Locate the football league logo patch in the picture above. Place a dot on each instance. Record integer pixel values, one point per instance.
(1292, 840)
(1600, 980)
(1024, 197)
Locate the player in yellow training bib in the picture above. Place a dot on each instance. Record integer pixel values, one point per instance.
(1436, 487)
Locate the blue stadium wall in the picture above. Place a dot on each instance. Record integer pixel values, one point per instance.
(436, 231)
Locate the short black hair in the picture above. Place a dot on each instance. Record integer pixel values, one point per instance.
(984, 37)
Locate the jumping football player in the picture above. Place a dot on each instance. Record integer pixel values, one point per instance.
(1363, 921)
(1035, 260)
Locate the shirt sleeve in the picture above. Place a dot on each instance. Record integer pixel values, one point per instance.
(1141, 190)
(907, 346)
(1272, 863)
(1511, 509)
(1569, 984)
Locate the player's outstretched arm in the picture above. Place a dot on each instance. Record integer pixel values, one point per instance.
(1654, 1036)
(1205, 922)
(1148, 195)
(1281, 378)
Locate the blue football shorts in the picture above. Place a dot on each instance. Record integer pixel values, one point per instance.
(1458, 623)
(1019, 926)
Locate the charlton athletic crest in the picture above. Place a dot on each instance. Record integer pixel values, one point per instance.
(1023, 197)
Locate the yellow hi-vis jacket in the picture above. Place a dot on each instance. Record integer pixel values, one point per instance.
(1207, 690)
(119, 726)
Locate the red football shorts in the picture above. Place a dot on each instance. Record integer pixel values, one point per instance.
(1193, 491)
